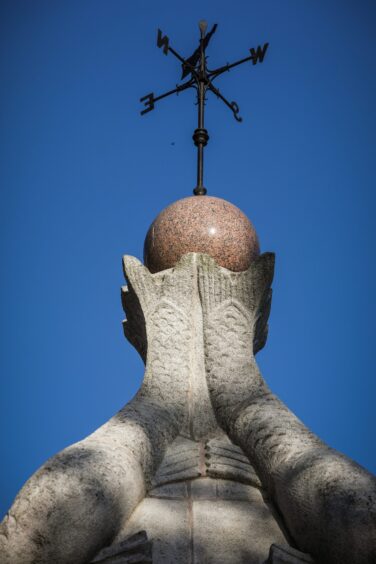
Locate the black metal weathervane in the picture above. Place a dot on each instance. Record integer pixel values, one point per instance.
(201, 78)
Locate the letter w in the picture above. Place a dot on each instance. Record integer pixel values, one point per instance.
(162, 42)
(258, 54)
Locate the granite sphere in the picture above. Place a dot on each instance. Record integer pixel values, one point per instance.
(201, 224)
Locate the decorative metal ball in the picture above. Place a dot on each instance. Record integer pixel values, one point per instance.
(201, 224)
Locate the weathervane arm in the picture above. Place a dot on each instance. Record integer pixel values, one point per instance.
(257, 55)
(149, 100)
(213, 74)
(176, 90)
(232, 105)
(181, 59)
(164, 41)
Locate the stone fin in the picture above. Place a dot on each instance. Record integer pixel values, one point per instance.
(234, 473)
(189, 473)
(144, 292)
(217, 284)
(213, 458)
(172, 284)
(287, 555)
(262, 326)
(181, 461)
(249, 289)
(135, 549)
(226, 453)
(171, 457)
(134, 325)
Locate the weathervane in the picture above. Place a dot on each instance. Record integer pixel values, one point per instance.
(201, 78)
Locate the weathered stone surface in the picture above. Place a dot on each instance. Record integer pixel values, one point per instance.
(136, 549)
(328, 502)
(167, 523)
(205, 458)
(233, 531)
(201, 225)
(76, 503)
(209, 521)
(287, 555)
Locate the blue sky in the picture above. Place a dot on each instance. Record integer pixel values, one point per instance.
(82, 176)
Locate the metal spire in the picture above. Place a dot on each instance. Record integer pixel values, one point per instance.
(201, 78)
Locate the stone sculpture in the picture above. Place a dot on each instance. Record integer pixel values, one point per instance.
(205, 464)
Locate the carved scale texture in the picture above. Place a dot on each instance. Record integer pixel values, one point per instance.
(231, 304)
(161, 403)
(328, 502)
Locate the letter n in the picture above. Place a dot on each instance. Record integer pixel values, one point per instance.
(162, 41)
(258, 54)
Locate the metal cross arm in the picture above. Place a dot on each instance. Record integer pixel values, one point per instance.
(149, 100)
(201, 78)
(232, 105)
(257, 55)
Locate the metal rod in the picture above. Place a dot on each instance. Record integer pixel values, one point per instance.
(200, 148)
(200, 136)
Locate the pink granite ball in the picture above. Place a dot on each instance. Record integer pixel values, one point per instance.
(201, 224)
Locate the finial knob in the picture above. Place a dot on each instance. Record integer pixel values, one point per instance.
(203, 25)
